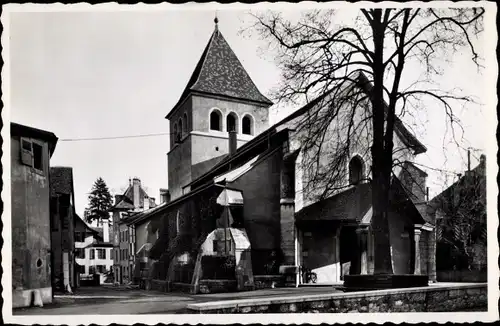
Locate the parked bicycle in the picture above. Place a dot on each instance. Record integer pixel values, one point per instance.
(308, 276)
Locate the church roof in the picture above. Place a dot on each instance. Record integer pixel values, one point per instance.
(355, 205)
(220, 72)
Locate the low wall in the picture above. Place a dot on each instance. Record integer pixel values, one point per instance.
(218, 286)
(210, 286)
(462, 276)
(430, 298)
(267, 281)
(165, 286)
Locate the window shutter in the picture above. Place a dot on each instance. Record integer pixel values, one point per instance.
(26, 152)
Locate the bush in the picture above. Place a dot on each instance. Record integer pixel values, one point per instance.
(218, 267)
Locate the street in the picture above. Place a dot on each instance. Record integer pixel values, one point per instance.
(115, 301)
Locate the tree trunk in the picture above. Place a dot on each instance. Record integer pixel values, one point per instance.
(381, 159)
(380, 225)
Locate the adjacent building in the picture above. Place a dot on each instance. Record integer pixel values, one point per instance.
(31, 150)
(93, 251)
(460, 216)
(63, 214)
(133, 200)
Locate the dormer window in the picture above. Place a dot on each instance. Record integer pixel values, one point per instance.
(216, 120)
(246, 125)
(231, 122)
(356, 170)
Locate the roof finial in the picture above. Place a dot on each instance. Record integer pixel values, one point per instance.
(216, 20)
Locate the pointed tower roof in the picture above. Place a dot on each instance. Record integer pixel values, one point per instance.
(219, 72)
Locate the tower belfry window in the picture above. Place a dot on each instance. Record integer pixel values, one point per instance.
(175, 133)
(246, 125)
(185, 124)
(231, 122)
(179, 136)
(215, 120)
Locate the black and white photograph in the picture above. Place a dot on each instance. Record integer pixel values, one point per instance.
(236, 163)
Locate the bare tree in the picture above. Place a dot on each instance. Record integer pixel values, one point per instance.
(462, 226)
(320, 60)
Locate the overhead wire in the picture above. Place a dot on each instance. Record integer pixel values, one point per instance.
(117, 137)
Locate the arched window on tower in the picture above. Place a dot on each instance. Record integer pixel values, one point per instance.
(232, 122)
(246, 125)
(185, 123)
(216, 120)
(356, 170)
(175, 133)
(179, 136)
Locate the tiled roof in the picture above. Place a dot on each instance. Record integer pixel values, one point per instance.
(61, 180)
(127, 199)
(475, 177)
(354, 204)
(349, 205)
(98, 230)
(219, 72)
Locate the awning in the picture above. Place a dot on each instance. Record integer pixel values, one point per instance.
(230, 197)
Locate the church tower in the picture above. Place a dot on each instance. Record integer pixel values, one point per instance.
(220, 97)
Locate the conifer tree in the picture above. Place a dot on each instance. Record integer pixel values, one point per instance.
(100, 202)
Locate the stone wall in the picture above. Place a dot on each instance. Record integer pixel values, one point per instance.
(217, 286)
(462, 276)
(425, 299)
(267, 281)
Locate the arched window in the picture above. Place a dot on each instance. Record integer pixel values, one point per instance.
(356, 170)
(185, 123)
(216, 120)
(175, 133)
(231, 122)
(180, 129)
(246, 125)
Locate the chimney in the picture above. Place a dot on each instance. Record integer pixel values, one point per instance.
(152, 202)
(232, 142)
(164, 196)
(136, 183)
(105, 231)
(146, 203)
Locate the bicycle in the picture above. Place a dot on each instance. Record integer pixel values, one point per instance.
(308, 275)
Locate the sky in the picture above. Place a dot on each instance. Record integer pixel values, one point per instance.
(109, 74)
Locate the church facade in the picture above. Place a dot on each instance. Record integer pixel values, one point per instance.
(241, 192)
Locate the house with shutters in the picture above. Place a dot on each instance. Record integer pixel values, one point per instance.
(240, 209)
(133, 200)
(93, 252)
(31, 149)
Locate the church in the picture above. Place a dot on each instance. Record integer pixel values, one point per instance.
(242, 213)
